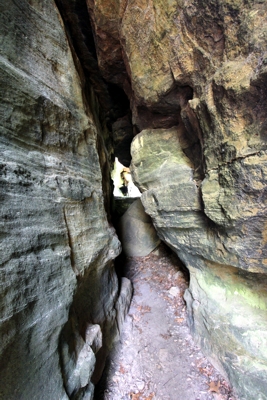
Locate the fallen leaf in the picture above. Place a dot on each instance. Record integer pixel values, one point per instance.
(135, 396)
(204, 371)
(179, 320)
(150, 397)
(122, 369)
(144, 309)
(214, 387)
(140, 396)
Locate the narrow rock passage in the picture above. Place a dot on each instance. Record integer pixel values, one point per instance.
(156, 358)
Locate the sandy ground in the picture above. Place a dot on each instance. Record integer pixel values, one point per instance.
(156, 358)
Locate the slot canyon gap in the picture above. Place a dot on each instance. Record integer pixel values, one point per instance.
(177, 91)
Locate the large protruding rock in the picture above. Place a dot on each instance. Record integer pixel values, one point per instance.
(227, 301)
(61, 306)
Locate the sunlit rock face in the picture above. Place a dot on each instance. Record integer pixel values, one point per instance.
(196, 76)
(61, 305)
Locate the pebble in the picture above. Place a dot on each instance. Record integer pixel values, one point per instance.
(174, 291)
(140, 385)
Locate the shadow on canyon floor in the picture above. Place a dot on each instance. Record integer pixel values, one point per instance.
(156, 358)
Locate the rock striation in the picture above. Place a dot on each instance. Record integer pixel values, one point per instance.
(62, 305)
(226, 303)
(196, 76)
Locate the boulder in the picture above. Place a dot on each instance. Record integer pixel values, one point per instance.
(136, 231)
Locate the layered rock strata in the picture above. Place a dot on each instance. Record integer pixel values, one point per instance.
(61, 303)
(196, 76)
(227, 304)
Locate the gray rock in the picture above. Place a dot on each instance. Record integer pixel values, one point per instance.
(57, 247)
(137, 233)
(226, 300)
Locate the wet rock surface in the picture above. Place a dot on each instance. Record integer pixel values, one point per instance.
(156, 357)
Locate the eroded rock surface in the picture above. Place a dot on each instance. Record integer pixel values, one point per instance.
(227, 304)
(201, 67)
(61, 305)
(195, 74)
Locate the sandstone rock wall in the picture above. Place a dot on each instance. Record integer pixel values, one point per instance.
(195, 73)
(61, 302)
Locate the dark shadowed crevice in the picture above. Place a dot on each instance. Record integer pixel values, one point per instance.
(117, 125)
(173, 109)
(120, 124)
(112, 100)
(107, 101)
(120, 101)
(166, 112)
(79, 32)
(112, 106)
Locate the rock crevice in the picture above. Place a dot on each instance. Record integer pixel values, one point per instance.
(188, 81)
(199, 156)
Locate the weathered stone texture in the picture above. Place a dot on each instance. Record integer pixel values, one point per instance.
(136, 231)
(201, 66)
(227, 306)
(195, 74)
(60, 303)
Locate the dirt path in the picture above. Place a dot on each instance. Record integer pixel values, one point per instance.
(156, 358)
